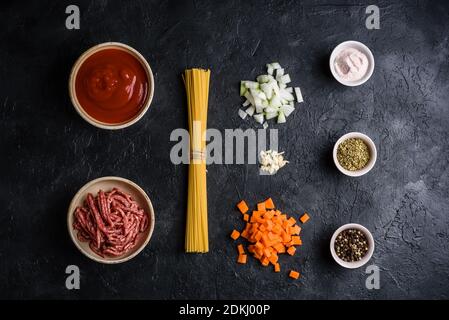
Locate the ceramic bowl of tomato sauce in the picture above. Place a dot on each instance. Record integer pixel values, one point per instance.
(111, 85)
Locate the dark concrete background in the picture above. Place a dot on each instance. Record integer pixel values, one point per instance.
(48, 152)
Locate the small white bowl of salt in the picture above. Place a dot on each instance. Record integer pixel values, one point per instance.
(351, 63)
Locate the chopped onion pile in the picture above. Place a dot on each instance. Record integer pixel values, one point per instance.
(269, 97)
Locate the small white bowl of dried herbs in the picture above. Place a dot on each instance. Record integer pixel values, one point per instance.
(354, 154)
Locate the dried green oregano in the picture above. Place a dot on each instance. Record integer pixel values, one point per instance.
(353, 154)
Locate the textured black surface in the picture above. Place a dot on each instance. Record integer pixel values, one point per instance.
(48, 152)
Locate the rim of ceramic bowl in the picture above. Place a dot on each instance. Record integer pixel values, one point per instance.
(72, 90)
(372, 149)
(72, 232)
(368, 255)
(357, 45)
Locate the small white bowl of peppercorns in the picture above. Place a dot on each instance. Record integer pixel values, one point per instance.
(352, 245)
(354, 154)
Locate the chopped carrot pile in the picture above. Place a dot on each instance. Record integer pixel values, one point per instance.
(294, 274)
(270, 233)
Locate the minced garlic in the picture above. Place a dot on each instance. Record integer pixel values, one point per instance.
(271, 161)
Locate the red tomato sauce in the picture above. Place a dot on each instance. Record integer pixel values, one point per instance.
(112, 86)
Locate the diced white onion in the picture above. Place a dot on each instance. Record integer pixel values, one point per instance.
(285, 79)
(280, 72)
(258, 118)
(250, 111)
(259, 109)
(251, 84)
(271, 115)
(298, 95)
(242, 114)
(287, 109)
(269, 97)
(286, 95)
(281, 117)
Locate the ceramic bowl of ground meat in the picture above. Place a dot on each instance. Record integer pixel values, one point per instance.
(110, 220)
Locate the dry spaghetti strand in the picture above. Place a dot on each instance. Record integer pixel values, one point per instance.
(196, 82)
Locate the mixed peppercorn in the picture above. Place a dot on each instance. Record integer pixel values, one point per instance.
(351, 245)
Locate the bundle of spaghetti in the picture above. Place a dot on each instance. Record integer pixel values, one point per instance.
(196, 82)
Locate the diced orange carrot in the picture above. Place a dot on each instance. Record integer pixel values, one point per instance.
(291, 251)
(279, 247)
(267, 253)
(277, 267)
(296, 240)
(265, 241)
(257, 235)
(269, 225)
(240, 249)
(261, 207)
(294, 274)
(277, 229)
(291, 222)
(277, 213)
(243, 207)
(271, 236)
(254, 227)
(235, 234)
(265, 261)
(257, 214)
(296, 230)
(286, 238)
(273, 259)
(246, 217)
(304, 218)
(242, 258)
(269, 214)
(269, 203)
